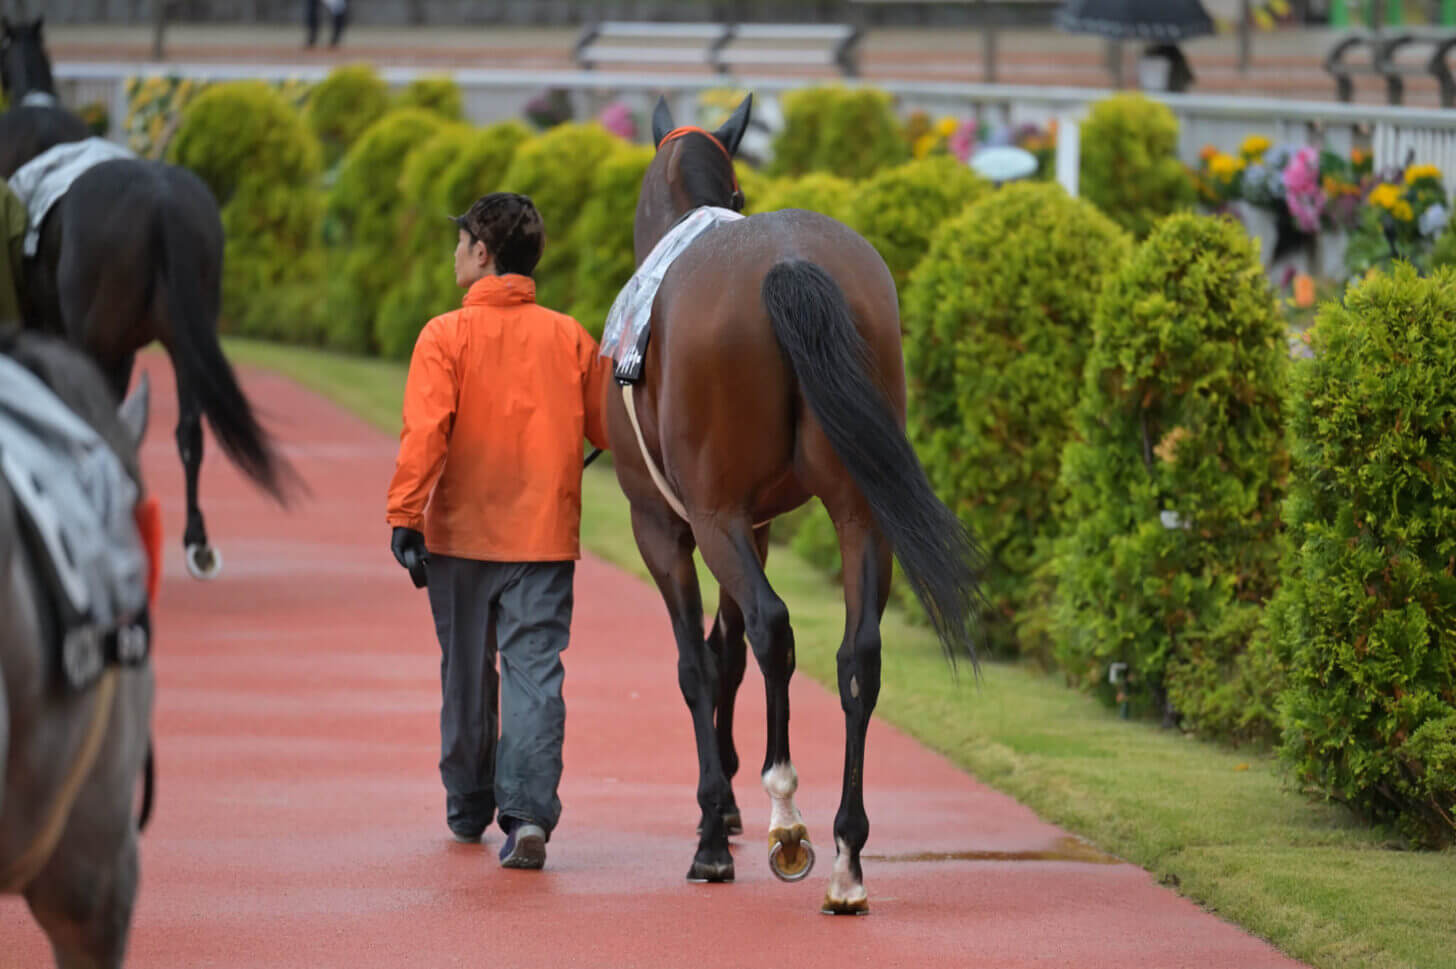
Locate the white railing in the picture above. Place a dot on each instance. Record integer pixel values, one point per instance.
(491, 95)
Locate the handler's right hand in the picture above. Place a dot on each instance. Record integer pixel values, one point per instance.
(409, 550)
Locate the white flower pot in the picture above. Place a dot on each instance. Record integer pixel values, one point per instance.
(1261, 225)
(1330, 254)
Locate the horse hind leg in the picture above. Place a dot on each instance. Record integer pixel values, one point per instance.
(667, 551)
(727, 642)
(733, 557)
(203, 561)
(867, 565)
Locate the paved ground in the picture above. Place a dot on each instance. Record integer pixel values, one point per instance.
(300, 820)
(1285, 64)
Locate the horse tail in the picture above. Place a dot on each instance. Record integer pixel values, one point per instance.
(200, 363)
(814, 326)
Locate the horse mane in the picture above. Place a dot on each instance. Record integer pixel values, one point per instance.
(705, 172)
(78, 382)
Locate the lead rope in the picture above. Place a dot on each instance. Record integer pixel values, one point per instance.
(657, 477)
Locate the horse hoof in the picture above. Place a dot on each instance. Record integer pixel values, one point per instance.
(716, 872)
(203, 561)
(732, 821)
(855, 906)
(791, 862)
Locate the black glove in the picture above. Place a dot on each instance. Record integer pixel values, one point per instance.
(409, 550)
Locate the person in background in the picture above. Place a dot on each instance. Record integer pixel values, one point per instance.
(485, 507)
(338, 14)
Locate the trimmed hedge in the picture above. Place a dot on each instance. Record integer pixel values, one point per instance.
(602, 236)
(997, 323)
(1169, 544)
(1130, 167)
(556, 170)
(850, 132)
(363, 210)
(1366, 610)
(343, 106)
(900, 209)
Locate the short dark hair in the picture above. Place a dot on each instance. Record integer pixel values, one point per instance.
(511, 229)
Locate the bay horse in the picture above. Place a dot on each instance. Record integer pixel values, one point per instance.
(69, 759)
(130, 254)
(774, 373)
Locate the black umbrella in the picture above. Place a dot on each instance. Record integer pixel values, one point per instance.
(1148, 20)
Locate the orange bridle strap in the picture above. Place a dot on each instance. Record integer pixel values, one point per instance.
(692, 129)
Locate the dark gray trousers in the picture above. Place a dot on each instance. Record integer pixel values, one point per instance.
(523, 611)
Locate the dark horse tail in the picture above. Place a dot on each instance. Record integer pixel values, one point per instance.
(812, 321)
(201, 365)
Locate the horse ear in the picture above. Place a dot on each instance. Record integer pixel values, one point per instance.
(136, 409)
(661, 121)
(734, 128)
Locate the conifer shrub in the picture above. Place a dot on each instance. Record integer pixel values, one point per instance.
(438, 95)
(826, 194)
(363, 209)
(899, 209)
(1366, 609)
(343, 105)
(602, 237)
(1130, 167)
(556, 169)
(1174, 475)
(423, 283)
(850, 132)
(997, 321)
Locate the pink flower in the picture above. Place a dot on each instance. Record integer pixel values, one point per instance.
(962, 143)
(1302, 190)
(617, 118)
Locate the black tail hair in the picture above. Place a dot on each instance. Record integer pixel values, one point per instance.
(200, 362)
(813, 323)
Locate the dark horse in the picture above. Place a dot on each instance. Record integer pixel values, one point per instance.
(130, 254)
(774, 373)
(69, 759)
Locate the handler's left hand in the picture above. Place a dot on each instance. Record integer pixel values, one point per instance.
(409, 550)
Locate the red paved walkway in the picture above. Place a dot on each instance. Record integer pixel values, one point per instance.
(300, 821)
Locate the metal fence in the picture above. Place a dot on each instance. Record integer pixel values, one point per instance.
(1391, 134)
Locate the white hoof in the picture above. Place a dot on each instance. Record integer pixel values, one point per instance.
(203, 561)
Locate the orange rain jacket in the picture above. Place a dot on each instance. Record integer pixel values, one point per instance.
(500, 394)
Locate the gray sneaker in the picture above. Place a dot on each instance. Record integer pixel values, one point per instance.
(525, 848)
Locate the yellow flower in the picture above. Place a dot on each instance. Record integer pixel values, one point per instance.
(1417, 172)
(1386, 196)
(1402, 211)
(1225, 167)
(946, 127)
(1359, 156)
(925, 144)
(1254, 146)
(1207, 152)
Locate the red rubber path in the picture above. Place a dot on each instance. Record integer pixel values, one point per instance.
(300, 820)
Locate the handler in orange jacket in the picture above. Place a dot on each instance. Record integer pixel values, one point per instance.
(487, 491)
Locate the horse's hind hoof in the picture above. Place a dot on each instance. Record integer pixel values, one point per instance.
(791, 862)
(858, 906)
(203, 561)
(703, 871)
